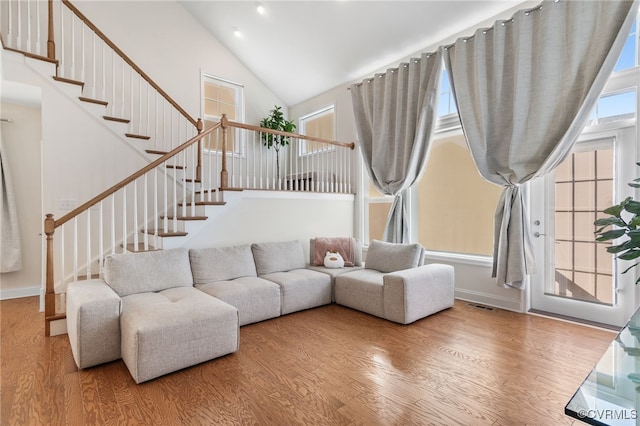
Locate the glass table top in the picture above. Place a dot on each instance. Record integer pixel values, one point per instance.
(610, 395)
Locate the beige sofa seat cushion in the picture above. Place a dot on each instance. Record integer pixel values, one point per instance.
(361, 290)
(173, 329)
(255, 298)
(132, 273)
(220, 264)
(301, 289)
(333, 273)
(278, 256)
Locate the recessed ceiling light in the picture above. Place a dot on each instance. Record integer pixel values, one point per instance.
(260, 8)
(236, 32)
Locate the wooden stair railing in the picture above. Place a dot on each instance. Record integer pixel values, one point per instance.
(86, 57)
(165, 200)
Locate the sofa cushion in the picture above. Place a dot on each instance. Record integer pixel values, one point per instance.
(302, 289)
(255, 298)
(220, 264)
(278, 256)
(131, 273)
(349, 248)
(175, 328)
(391, 257)
(362, 290)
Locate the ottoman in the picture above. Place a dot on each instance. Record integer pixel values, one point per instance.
(166, 331)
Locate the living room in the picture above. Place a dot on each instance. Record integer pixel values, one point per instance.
(67, 175)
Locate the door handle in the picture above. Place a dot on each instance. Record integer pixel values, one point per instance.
(538, 234)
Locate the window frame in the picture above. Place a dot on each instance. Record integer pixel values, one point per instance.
(329, 109)
(240, 110)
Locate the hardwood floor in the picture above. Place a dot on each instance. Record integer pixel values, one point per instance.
(327, 366)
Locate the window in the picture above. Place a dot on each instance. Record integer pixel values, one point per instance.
(462, 223)
(319, 124)
(629, 56)
(614, 107)
(222, 97)
(583, 186)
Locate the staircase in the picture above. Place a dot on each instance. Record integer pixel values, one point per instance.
(170, 199)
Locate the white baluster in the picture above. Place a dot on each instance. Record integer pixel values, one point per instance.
(100, 239)
(145, 217)
(88, 244)
(82, 52)
(124, 220)
(113, 223)
(156, 213)
(165, 223)
(94, 65)
(75, 249)
(62, 253)
(19, 31)
(136, 239)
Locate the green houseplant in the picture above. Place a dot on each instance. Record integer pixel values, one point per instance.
(276, 121)
(625, 218)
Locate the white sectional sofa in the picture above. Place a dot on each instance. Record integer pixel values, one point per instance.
(166, 310)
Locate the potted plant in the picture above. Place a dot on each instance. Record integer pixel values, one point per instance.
(276, 121)
(625, 217)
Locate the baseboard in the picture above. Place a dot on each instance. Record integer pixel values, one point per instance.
(17, 293)
(489, 300)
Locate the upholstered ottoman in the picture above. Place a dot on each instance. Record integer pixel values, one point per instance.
(175, 328)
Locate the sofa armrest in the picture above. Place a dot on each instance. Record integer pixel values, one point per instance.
(414, 293)
(93, 322)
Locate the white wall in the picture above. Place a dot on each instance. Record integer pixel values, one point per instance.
(163, 39)
(22, 141)
(262, 216)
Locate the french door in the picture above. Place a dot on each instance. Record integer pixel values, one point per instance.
(576, 276)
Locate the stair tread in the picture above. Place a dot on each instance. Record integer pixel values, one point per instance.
(84, 277)
(155, 151)
(133, 135)
(161, 233)
(93, 101)
(118, 119)
(186, 217)
(206, 203)
(140, 248)
(68, 80)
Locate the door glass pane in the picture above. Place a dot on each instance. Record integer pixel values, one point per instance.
(583, 188)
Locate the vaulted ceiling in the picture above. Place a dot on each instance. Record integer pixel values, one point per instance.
(302, 48)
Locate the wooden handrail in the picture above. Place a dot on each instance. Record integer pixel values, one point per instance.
(350, 145)
(95, 200)
(196, 123)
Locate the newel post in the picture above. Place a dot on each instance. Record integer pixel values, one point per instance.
(50, 295)
(224, 175)
(199, 127)
(51, 45)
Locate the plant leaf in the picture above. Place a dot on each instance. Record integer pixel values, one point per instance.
(611, 235)
(630, 255)
(612, 220)
(633, 207)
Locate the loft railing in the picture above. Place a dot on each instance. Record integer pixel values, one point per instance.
(153, 203)
(88, 58)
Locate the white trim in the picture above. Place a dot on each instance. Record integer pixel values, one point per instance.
(489, 300)
(296, 195)
(16, 293)
(467, 259)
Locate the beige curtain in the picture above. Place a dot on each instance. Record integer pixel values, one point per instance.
(10, 249)
(524, 90)
(395, 117)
